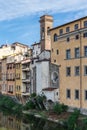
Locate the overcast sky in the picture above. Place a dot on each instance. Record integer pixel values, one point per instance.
(19, 19)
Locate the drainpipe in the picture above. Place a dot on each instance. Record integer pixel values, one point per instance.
(80, 68)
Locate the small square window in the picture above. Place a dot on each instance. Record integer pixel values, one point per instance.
(85, 23)
(67, 29)
(68, 39)
(54, 60)
(77, 71)
(77, 37)
(75, 26)
(61, 31)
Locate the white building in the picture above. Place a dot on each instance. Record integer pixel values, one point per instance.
(15, 48)
(44, 75)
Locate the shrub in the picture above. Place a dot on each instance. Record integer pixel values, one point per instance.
(29, 105)
(59, 108)
(8, 105)
(64, 107)
(72, 120)
(33, 95)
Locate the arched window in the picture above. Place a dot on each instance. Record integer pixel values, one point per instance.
(55, 37)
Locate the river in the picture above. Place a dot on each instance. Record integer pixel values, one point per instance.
(27, 122)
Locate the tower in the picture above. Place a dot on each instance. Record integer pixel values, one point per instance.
(46, 23)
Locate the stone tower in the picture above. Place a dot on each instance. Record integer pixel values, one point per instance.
(46, 23)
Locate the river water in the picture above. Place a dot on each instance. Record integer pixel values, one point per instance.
(26, 123)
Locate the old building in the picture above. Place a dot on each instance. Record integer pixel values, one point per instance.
(42, 71)
(26, 79)
(18, 79)
(0, 76)
(3, 81)
(11, 75)
(69, 52)
(47, 80)
(9, 49)
(46, 23)
(36, 50)
(11, 54)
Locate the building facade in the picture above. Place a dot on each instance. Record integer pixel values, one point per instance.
(69, 52)
(46, 23)
(3, 81)
(26, 79)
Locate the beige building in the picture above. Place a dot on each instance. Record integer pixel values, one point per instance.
(46, 23)
(69, 52)
(18, 79)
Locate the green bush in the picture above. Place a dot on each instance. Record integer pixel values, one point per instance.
(59, 108)
(64, 107)
(8, 105)
(72, 120)
(33, 95)
(29, 105)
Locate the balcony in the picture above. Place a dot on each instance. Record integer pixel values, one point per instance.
(25, 69)
(13, 79)
(25, 93)
(27, 80)
(10, 92)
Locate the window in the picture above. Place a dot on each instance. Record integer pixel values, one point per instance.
(32, 61)
(68, 71)
(67, 29)
(85, 23)
(42, 33)
(68, 39)
(85, 51)
(77, 53)
(85, 34)
(68, 56)
(61, 31)
(55, 37)
(85, 94)
(75, 26)
(77, 37)
(7, 66)
(85, 70)
(54, 60)
(57, 52)
(13, 65)
(52, 49)
(77, 71)
(48, 32)
(76, 94)
(10, 66)
(68, 93)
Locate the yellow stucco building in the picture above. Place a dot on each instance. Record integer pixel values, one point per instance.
(69, 52)
(18, 79)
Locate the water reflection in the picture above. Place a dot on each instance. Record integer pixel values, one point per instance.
(26, 123)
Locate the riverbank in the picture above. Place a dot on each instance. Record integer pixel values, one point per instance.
(51, 116)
